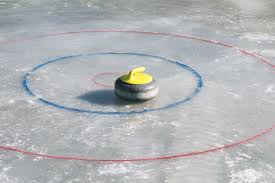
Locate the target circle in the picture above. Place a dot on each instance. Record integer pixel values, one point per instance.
(179, 155)
(197, 89)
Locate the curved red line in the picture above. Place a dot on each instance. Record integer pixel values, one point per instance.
(248, 139)
(96, 76)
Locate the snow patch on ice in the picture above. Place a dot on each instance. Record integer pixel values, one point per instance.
(270, 89)
(114, 169)
(245, 155)
(235, 95)
(4, 177)
(241, 171)
(246, 176)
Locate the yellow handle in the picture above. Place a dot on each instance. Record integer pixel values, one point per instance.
(136, 76)
(134, 71)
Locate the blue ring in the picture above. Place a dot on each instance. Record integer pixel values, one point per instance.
(198, 88)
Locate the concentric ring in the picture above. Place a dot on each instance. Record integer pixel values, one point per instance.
(142, 159)
(197, 89)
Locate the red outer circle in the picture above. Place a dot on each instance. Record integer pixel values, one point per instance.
(226, 146)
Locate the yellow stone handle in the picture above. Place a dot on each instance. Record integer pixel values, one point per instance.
(134, 71)
(137, 76)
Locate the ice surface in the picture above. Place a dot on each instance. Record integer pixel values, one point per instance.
(237, 99)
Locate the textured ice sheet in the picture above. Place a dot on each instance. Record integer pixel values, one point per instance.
(237, 99)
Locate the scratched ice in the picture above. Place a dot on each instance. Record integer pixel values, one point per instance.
(234, 101)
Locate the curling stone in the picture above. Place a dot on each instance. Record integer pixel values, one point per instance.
(136, 86)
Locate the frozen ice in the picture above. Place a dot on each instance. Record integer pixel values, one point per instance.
(237, 99)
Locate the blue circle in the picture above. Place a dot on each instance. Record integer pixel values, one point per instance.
(199, 84)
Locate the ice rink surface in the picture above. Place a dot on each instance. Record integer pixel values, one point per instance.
(215, 111)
